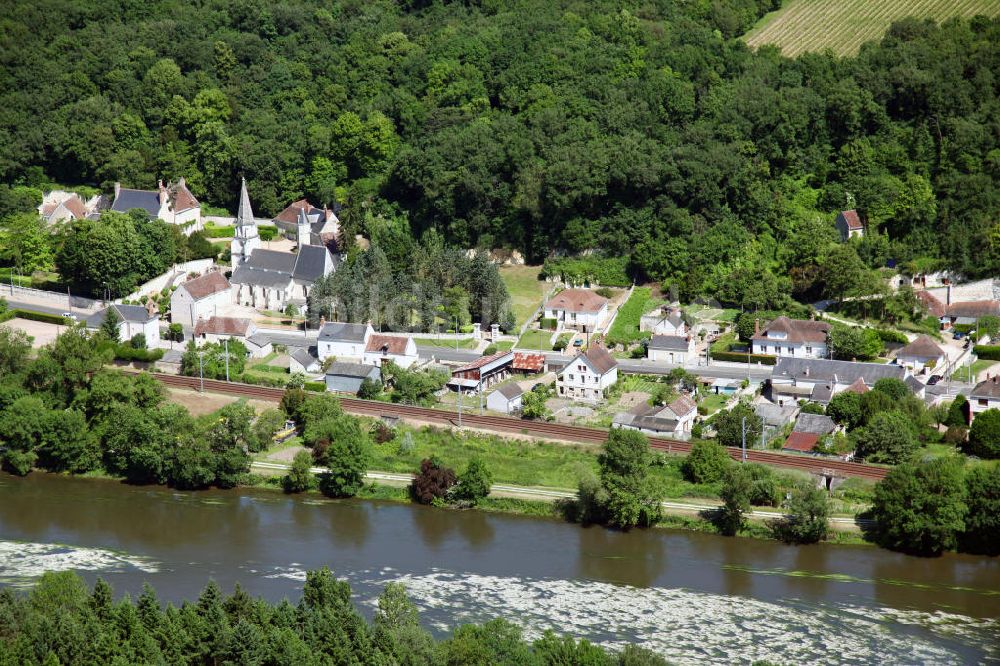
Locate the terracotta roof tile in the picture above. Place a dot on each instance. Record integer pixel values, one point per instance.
(576, 300)
(796, 330)
(223, 326)
(932, 303)
(528, 362)
(206, 285)
(852, 219)
(389, 344)
(801, 441)
(922, 347)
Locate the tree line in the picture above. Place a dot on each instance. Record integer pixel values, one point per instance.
(61, 621)
(650, 133)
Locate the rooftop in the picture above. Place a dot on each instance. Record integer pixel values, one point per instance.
(236, 326)
(814, 423)
(852, 219)
(796, 330)
(576, 300)
(206, 285)
(338, 331)
(822, 370)
(359, 370)
(803, 442)
(387, 344)
(669, 343)
(922, 347)
(987, 389)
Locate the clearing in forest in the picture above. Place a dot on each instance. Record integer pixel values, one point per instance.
(844, 25)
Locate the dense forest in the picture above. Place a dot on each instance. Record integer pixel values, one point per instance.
(61, 621)
(645, 130)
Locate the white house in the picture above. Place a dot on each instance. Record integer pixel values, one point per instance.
(675, 419)
(217, 329)
(666, 321)
(792, 337)
(588, 376)
(132, 320)
(381, 348)
(302, 360)
(818, 380)
(985, 396)
(579, 309)
(173, 203)
(199, 298)
(849, 225)
(59, 205)
(343, 340)
(507, 399)
(922, 353)
(670, 348)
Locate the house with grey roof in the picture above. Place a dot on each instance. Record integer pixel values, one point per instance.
(301, 359)
(791, 337)
(670, 348)
(922, 353)
(343, 340)
(818, 380)
(132, 320)
(507, 399)
(173, 203)
(588, 376)
(667, 320)
(344, 377)
(675, 419)
(985, 396)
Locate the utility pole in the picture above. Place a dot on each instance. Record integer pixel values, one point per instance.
(743, 436)
(480, 392)
(459, 406)
(456, 335)
(201, 370)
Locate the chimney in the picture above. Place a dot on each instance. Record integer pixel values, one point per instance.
(947, 295)
(118, 189)
(806, 373)
(180, 181)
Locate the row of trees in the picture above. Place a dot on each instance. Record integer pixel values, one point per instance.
(60, 621)
(62, 411)
(403, 284)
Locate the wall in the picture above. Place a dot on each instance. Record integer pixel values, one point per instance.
(54, 298)
(158, 283)
(981, 290)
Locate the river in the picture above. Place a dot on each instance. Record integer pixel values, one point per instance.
(695, 598)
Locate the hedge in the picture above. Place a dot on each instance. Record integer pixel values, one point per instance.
(315, 386)
(42, 317)
(737, 357)
(888, 335)
(548, 324)
(987, 352)
(125, 352)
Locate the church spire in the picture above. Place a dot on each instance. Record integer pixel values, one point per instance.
(244, 216)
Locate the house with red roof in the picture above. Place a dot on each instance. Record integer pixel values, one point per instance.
(484, 371)
(381, 348)
(579, 309)
(199, 298)
(850, 225)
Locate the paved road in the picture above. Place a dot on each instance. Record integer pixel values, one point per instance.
(553, 494)
(45, 309)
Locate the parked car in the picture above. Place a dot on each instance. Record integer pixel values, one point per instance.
(578, 342)
(958, 335)
(68, 315)
(934, 379)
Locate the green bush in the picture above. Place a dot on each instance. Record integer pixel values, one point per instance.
(42, 317)
(315, 386)
(548, 324)
(889, 335)
(490, 349)
(608, 271)
(737, 357)
(126, 352)
(987, 352)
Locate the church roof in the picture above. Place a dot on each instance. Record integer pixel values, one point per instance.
(244, 215)
(271, 268)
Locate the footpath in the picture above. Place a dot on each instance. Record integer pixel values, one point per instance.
(688, 509)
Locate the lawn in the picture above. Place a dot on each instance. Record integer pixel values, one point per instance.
(844, 25)
(535, 339)
(963, 374)
(526, 290)
(714, 403)
(625, 329)
(463, 343)
(219, 231)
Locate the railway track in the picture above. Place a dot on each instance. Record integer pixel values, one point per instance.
(541, 429)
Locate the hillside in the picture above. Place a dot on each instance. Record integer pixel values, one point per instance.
(844, 25)
(645, 131)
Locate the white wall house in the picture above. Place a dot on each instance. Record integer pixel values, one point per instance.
(199, 298)
(922, 353)
(507, 399)
(381, 348)
(849, 225)
(677, 349)
(588, 375)
(676, 419)
(343, 340)
(579, 309)
(666, 321)
(798, 338)
(818, 380)
(217, 329)
(132, 320)
(173, 203)
(985, 396)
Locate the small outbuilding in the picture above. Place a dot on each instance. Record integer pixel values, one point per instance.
(507, 399)
(347, 377)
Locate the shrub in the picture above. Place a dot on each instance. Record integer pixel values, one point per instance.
(299, 478)
(318, 387)
(548, 324)
(433, 482)
(706, 463)
(737, 357)
(806, 521)
(267, 233)
(369, 389)
(490, 349)
(987, 352)
(138, 341)
(474, 484)
(605, 292)
(127, 352)
(984, 435)
(889, 335)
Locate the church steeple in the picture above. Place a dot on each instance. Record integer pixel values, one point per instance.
(245, 236)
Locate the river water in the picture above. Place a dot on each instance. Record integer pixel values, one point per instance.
(695, 598)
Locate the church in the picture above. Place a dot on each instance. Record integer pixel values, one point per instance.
(274, 279)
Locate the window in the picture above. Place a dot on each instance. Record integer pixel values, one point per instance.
(809, 350)
(983, 402)
(571, 377)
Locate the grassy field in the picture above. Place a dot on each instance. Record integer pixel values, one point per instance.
(526, 290)
(625, 329)
(844, 25)
(963, 374)
(463, 343)
(535, 339)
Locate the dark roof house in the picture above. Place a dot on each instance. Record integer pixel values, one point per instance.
(339, 331)
(678, 343)
(794, 330)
